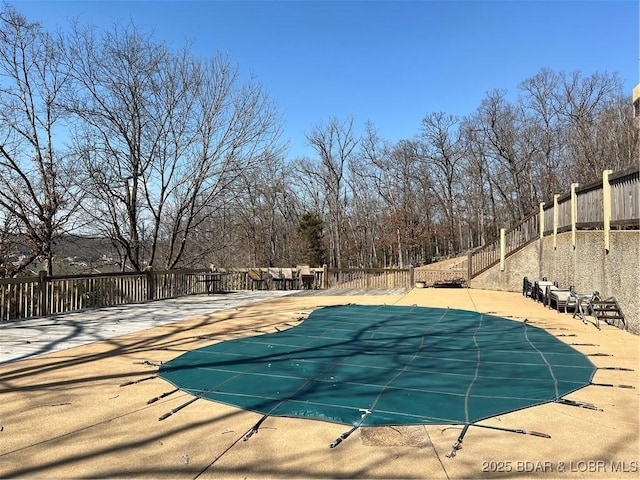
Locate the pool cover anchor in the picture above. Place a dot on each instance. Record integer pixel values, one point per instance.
(133, 382)
(148, 363)
(162, 395)
(612, 385)
(575, 403)
(515, 430)
(254, 430)
(458, 445)
(177, 409)
(365, 413)
(342, 437)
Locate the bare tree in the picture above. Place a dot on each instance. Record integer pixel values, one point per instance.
(365, 226)
(510, 154)
(237, 131)
(266, 216)
(478, 188)
(34, 186)
(395, 173)
(335, 145)
(619, 137)
(115, 76)
(587, 104)
(162, 139)
(443, 150)
(540, 103)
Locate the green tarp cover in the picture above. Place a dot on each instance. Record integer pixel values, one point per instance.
(386, 365)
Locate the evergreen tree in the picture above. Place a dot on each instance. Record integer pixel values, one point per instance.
(310, 231)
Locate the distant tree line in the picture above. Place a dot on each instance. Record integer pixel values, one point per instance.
(179, 161)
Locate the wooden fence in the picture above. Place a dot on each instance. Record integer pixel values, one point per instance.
(613, 202)
(510, 240)
(431, 277)
(35, 296)
(385, 278)
(42, 295)
(365, 278)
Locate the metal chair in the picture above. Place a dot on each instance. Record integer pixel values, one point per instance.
(562, 299)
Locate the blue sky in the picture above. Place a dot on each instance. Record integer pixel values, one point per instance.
(390, 63)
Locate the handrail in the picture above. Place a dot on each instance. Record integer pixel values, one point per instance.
(486, 256)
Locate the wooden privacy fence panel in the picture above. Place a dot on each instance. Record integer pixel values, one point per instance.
(625, 198)
(564, 213)
(547, 216)
(590, 206)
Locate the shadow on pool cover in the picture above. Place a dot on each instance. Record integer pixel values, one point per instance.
(364, 365)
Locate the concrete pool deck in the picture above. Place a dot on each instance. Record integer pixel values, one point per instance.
(20, 339)
(80, 410)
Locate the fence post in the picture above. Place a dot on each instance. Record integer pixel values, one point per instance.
(541, 220)
(556, 220)
(574, 213)
(42, 293)
(606, 207)
(151, 285)
(325, 276)
(411, 277)
(503, 248)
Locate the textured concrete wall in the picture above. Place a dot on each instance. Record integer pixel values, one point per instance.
(588, 268)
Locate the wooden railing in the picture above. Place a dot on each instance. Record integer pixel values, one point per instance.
(431, 277)
(366, 278)
(612, 202)
(512, 240)
(42, 295)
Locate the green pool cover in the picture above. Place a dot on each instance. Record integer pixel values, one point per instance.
(386, 365)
